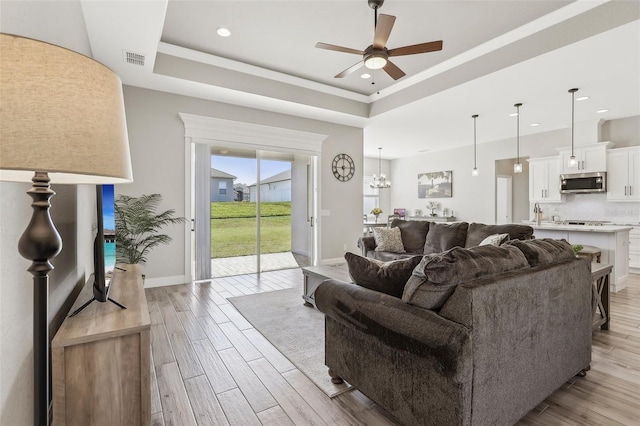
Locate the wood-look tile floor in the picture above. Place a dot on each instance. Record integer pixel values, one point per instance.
(211, 367)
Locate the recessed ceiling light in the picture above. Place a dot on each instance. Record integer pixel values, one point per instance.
(582, 98)
(513, 114)
(535, 124)
(600, 111)
(365, 75)
(223, 32)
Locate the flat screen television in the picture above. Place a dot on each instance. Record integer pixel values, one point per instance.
(101, 246)
(104, 250)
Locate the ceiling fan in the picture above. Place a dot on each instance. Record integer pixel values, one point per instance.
(377, 55)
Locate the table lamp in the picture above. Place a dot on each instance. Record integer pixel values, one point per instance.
(62, 120)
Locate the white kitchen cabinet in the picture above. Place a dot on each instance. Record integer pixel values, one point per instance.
(634, 249)
(613, 242)
(623, 174)
(590, 158)
(544, 180)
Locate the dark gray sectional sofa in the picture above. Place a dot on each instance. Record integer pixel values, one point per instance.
(424, 237)
(475, 336)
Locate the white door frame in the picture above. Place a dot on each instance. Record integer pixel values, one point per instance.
(215, 131)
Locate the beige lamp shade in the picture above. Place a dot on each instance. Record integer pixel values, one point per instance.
(60, 113)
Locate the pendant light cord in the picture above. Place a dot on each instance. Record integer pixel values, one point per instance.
(474, 141)
(573, 104)
(518, 131)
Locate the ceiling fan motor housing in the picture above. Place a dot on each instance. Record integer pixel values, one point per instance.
(375, 4)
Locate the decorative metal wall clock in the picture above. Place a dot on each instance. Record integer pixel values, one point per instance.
(343, 167)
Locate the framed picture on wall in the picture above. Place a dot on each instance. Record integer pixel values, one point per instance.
(435, 184)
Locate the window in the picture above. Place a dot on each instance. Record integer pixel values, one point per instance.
(222, 188)
(371, 196)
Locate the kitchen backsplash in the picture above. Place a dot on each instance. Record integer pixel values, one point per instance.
(590, 207)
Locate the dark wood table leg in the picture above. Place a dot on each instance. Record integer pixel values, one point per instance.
(604, 297)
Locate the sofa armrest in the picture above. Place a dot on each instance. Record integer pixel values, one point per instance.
(398, 325)
(366, 244)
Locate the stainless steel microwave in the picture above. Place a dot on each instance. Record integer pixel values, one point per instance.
(583, 182)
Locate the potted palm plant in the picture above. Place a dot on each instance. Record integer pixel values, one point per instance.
(138, 227)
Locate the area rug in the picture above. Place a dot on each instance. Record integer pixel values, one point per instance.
(297, 331)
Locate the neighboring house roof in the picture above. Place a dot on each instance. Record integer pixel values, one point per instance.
(286, 175)
(215, 173)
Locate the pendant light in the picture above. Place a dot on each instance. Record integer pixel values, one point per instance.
(474, 172)
(517, 168)
(573, 163)
(380, 180)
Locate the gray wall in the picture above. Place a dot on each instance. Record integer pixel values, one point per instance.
(156, 136)
(73, 212)
(474, 197)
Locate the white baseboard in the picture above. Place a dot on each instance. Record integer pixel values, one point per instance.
(334, 261)
(165, 281)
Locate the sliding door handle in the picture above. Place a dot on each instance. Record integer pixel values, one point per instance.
(625, 190)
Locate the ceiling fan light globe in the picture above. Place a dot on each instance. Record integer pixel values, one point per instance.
(375, 62)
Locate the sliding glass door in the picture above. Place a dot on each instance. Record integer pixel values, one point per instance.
(258, 211)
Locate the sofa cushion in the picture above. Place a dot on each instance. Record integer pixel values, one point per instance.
(437, 275)
(444, 236)
(495, 240)
(544, 251)
(413, 233)
(388, 239)
(479, 231)
(385, 277)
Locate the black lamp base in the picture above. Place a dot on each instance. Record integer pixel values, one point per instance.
(40, 243)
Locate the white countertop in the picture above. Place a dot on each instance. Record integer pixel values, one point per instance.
(550, 226)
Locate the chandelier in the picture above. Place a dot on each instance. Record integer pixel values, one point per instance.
(380, 180)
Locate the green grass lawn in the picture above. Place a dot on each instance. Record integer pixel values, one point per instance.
(233, 228)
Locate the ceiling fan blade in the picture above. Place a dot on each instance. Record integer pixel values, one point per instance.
(338, 48)
(383, 29)
(349, 70)
(432, 46)
(393, 70)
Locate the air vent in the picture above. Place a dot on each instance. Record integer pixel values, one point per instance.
(133, 58)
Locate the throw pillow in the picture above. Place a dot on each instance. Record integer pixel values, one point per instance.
(544, 251)
(413, 233)
(444, 236)
(437, 275)
(388, 239)
(495, 240)
(385, 277)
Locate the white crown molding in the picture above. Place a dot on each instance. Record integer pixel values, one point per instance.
(206, 58)
(203, 128)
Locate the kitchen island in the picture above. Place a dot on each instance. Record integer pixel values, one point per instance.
(612, 240)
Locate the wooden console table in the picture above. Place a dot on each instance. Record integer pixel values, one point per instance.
(314, 275)
(101, 358)
(600, 273)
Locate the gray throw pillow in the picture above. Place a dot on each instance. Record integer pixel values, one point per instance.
(385, 277)
(388, 239)
(413, 233)
(544, 251)
(437, 275)
(444, 236)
